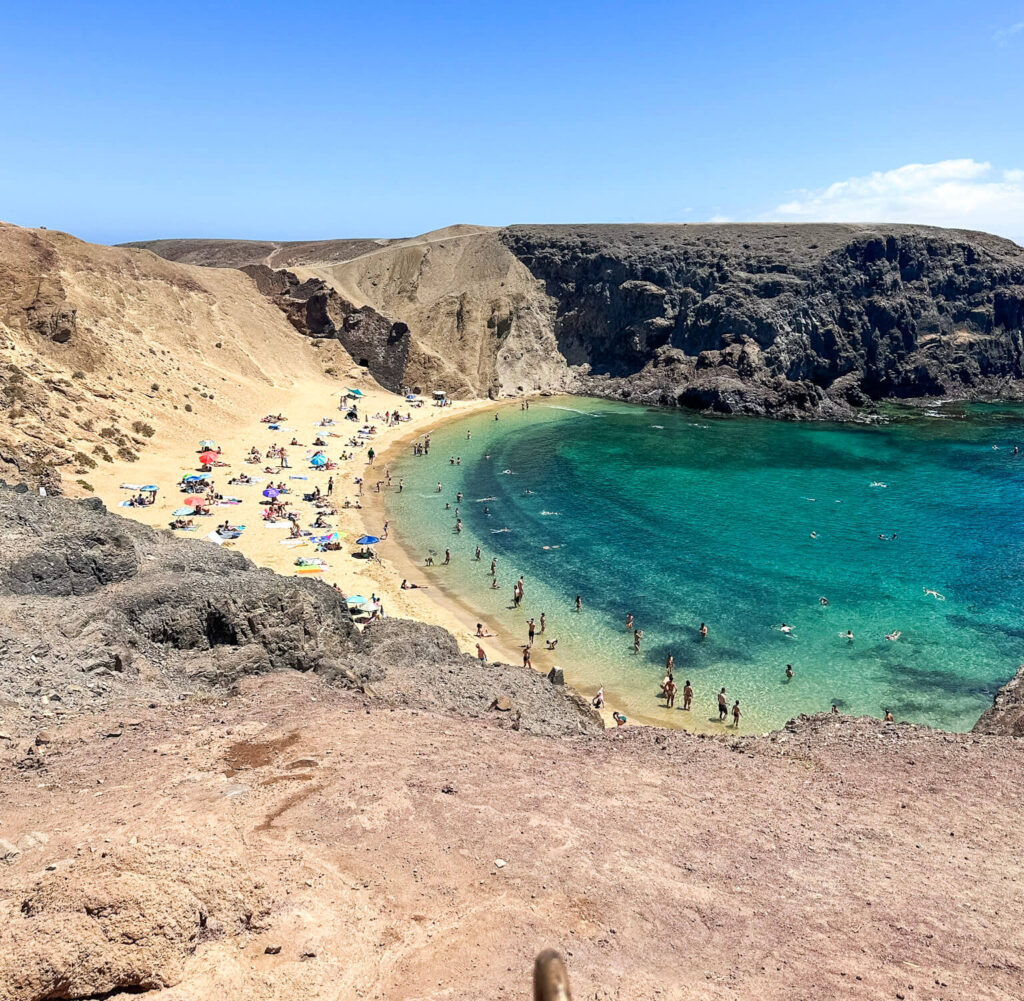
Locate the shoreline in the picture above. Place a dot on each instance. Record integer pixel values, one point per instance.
(459, 616)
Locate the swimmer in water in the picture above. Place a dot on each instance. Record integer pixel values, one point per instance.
(823, 601)
(814, 535)
(894, 635)
(789, 672)
(629, 622)
(848, 635)
(934, 594)
(785, 629)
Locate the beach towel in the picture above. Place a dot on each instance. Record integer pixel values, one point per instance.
(310, 570)
(133, 486)
(298, 477)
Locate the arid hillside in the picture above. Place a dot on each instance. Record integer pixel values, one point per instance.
(799, 321)
(104, 349)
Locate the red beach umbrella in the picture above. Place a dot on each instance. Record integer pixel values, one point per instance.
(194, 501)
(208, 458)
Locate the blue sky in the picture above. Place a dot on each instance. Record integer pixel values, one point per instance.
(309, 120)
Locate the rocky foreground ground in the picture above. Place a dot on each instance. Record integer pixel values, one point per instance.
(212, 785)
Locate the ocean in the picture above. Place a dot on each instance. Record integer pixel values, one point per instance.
(745, 525)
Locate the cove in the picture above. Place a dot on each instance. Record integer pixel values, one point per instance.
(743, 524)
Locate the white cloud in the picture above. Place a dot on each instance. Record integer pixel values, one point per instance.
(720, 218)
(963, 194)
(1003, 35)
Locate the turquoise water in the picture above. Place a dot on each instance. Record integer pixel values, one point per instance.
(682, 519)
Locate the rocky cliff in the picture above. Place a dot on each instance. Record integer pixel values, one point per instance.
(782, 319)
(787, 320)
(316, 309)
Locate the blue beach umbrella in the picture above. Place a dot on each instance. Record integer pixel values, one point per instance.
(318, 460)
(194, 477)
(354, 392)
(367, 540)
(270, 492)
(357, 599)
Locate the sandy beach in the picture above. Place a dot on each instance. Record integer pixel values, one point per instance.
(166, 461)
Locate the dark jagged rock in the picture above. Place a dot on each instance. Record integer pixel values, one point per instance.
(83, 591)
(317, 310)
(788, 320)
(1006, 716)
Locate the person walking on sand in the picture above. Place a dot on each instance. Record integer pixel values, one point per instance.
(736, 714)
(531, 628)
(477, 556)
(723, 706)
(330, 485)
(283, 459)
(480, 655)
(670, 693)
(447, 557)
(526, 656)
(371, 455)
(401, 483)
(687, 694)
(494, 565)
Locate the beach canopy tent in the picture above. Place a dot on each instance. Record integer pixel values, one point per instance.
(367, 540)
(353, 392)
(439, 394)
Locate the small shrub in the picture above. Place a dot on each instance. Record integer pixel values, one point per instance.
(155, 387)
(126, 454)
(141, 428)
(188, 408)
(100, 451)
(86, 461)
(78, 375)
(109, 433)
(89, 423)
(85, 486)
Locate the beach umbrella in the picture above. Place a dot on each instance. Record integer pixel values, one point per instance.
(208, 458)
(270, 492)
(194, 501)
(181, 512)
(410, 398)
(357, 599)
(367, 540)
(193, 478)
(354, 392)
(318, 460)
(206, 443)
(369, 606)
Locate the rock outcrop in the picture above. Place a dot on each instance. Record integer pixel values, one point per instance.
(88, 596)
(315, 309)
(1006, 716)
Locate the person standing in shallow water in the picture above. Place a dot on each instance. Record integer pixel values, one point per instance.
(638, 635)
(723, 706)
(579, 603)
(736, 714)
(687, 694)
(703, 631)
(789, 672)
(670, 693)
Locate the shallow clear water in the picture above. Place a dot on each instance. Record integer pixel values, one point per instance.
(682, 519)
